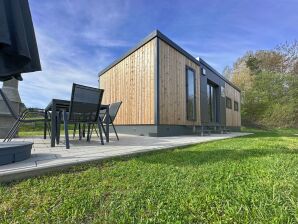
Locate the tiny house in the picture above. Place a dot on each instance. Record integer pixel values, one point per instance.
(166, 91)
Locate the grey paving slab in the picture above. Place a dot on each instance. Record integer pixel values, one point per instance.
(45, 158)
(17, 166)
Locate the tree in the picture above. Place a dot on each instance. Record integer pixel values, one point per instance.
(269, 83)
(227, 72)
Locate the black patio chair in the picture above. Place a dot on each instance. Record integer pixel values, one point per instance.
(81, 130)
(113, 111)
(84, 109)
(24, 117)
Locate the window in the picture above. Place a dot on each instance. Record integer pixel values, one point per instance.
(190, 94)
(236, 106)
(228, 103)
(203, 71)
(222, 91)
(212, 104)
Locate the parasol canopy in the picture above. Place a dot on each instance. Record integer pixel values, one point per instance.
(18, 48)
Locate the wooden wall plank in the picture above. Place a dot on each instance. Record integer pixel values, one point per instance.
(172, 82)
(132, 82)
(233, 118)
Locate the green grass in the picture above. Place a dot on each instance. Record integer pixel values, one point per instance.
(251, 179)
(29, 130)
(35, 133)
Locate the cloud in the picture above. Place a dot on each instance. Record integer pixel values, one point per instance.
(62, 65)
(74, 43)
(78, 38)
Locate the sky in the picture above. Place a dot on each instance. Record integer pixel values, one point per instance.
(78, 38)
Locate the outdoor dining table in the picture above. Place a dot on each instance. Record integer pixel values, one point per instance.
(56, 106)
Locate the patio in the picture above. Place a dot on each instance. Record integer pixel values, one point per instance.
(45, 158)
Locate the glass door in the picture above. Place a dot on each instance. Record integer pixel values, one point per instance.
(211, 98)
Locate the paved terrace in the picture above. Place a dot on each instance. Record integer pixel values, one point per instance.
(45, 159)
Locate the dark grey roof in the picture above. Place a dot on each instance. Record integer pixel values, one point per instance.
(157, 33)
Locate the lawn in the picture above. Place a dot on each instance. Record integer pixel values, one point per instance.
(251, 179)
(36, 129)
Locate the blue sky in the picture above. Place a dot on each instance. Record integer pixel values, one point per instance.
(78, 38)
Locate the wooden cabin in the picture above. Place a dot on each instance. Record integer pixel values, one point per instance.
(166, 91)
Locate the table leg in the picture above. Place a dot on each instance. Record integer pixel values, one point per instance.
(53, 125)
(58, 121)
(45, 128)
(84, 130)
(80, 132)
(65, 118)
(108, 125)
(88, 132)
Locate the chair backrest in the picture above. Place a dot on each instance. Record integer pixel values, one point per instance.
(113, 110)
(85, 103)
(8, 104)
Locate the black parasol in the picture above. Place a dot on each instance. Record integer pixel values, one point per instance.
(18, 48)
(18, 54)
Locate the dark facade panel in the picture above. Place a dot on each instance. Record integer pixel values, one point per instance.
(142, 130)
(166, 130)
(214, 79)
(203, 103)
(175, 130)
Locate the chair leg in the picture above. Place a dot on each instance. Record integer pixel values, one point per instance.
(103, 128)
(84, 129)
(74, 131)
(96, 132)
(8, 136)
(115, 131)
(91, 131)
(58, 120)
(66, 129)
(88, 132)
(100, 133)
(14, 128)
(80, 132)
(49, 129)
(12, 132)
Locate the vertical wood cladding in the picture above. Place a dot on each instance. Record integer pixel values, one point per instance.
(132, 82)
(172, 86)
(233, 118)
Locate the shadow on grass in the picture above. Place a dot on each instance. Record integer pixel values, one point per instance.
(196, 158)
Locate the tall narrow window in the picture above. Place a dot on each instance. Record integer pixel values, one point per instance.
(212, 104)
(236, 106)
(228, 103)
(190, 94)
